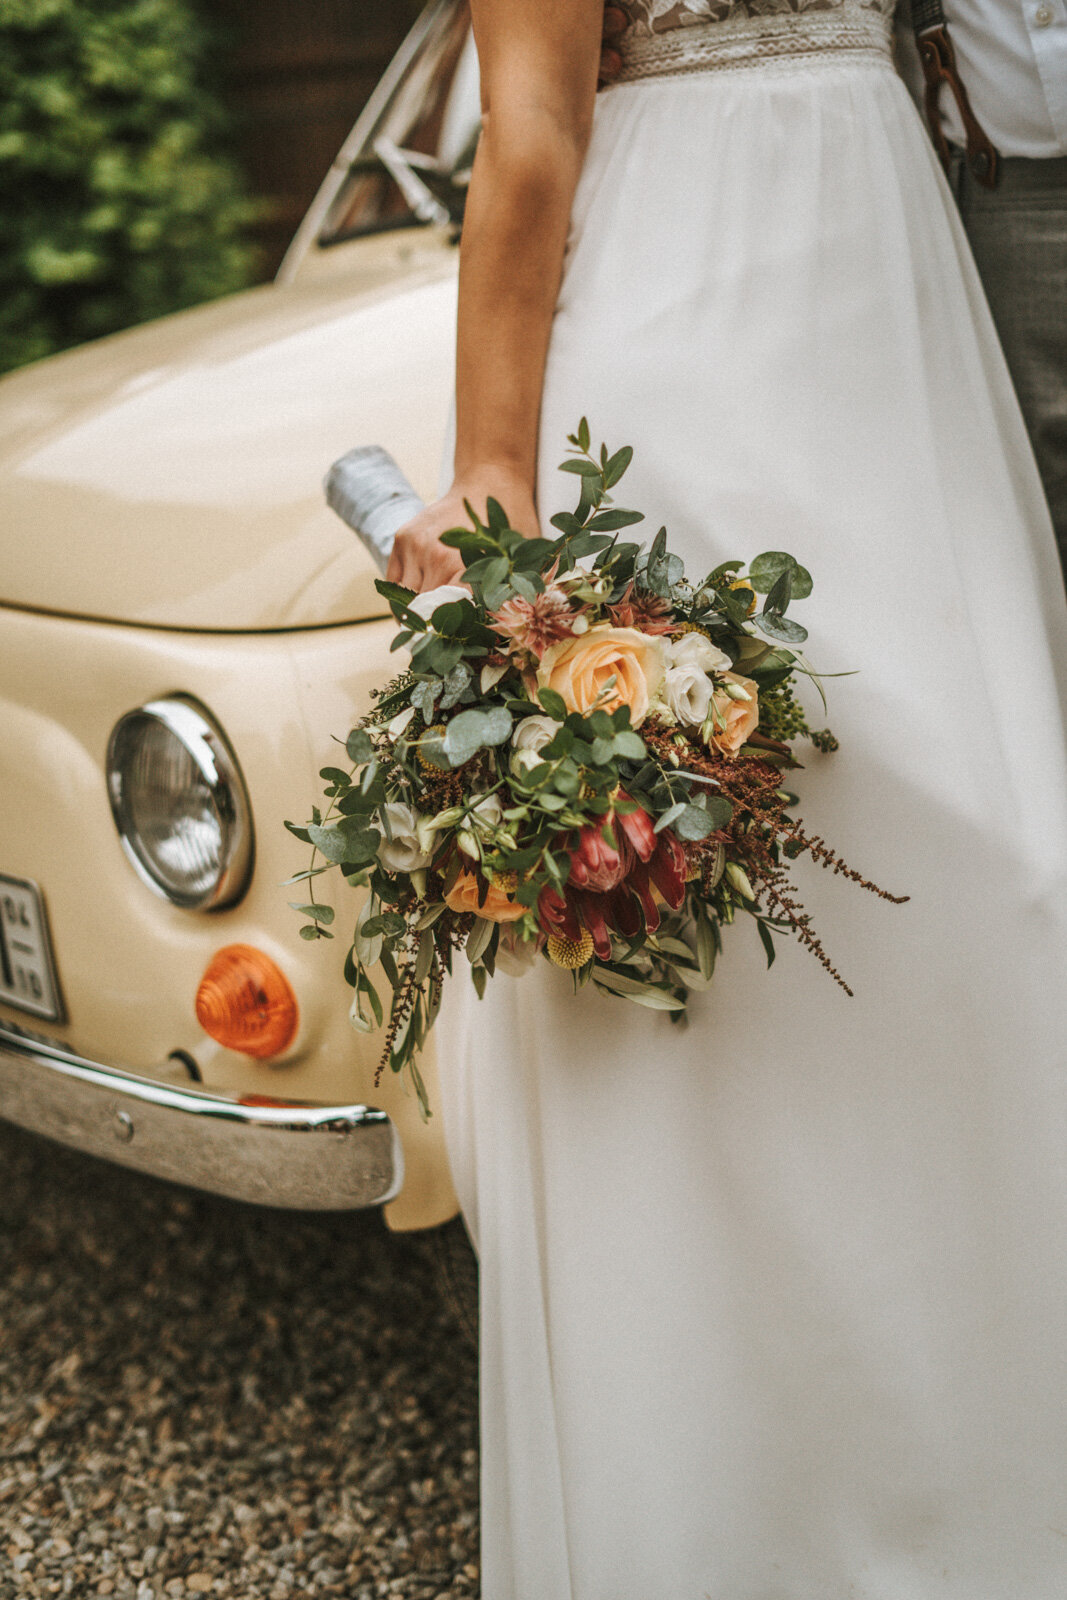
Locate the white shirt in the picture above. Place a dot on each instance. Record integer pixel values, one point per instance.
(1012, 58)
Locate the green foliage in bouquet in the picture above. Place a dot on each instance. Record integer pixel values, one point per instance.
(583, 764)
(118, 201)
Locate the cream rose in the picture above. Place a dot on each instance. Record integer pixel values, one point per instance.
(687, 691)
(581, 669)
(533, 733)
(694, 650)
(734, 719)
(410, 846)
(424, 605)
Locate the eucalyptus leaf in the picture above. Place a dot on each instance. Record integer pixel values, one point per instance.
(716, 866)
(656, 1000)
(617, 465)
(368, 947)
(694, 822)
(719, 809)
(767, 939)
(618, 982)
(776, 626)
(457, 682)
(781, 593)
(473, 730)
(705, 945)
(765, 571)
(431, 915)
(356, 1016)
(424, 697)
(372, 995)
(566, 522)
(609, 521)
(424, 959)
(333, 843)
(669, 816)
(317, 913)
(301, 877)
(478, 938)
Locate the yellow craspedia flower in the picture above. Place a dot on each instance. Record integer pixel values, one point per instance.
(438, 730)
(507, 881)
(570, 953)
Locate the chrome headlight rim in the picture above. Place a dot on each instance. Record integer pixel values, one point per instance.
(192, 724)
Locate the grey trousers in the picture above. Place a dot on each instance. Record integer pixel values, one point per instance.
(1018, 233)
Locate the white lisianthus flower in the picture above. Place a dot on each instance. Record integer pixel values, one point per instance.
(688, 691)
(424, 605)
(533, 733)
(485, 814)
(405, 851)
(426, 833)
(694, 650)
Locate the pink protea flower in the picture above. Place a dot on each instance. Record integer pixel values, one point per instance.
(556, 914)
(663, 872)
(637, 829)
(648, 613)
(595, 864)
(532, 625)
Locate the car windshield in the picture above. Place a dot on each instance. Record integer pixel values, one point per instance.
(408, 159)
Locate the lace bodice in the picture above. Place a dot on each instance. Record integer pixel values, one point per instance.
(659, 16)
(670, 36)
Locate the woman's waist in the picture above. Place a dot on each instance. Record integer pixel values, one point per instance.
(742, 39)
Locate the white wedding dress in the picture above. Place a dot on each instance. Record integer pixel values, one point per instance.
(775, 1307)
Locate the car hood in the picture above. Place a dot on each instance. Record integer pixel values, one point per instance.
(171, 476)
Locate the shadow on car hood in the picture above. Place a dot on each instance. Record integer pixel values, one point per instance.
(171, 476)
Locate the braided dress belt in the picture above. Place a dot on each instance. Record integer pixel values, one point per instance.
(748, 41)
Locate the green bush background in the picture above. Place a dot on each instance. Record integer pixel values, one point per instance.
(118, 199)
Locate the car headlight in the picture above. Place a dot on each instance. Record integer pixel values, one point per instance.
(180, 804)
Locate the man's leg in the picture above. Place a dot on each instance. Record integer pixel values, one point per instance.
(1018, 234)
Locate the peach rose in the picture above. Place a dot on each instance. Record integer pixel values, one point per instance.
(740, 716)
(497, 906)
(579, 668)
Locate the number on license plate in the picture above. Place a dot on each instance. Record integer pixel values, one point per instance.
(27, 976)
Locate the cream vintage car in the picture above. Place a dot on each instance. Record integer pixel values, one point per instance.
(184, 626)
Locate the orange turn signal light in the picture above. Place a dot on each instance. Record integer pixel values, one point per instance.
(245, 1002)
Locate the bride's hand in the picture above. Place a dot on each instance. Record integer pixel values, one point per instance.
(420, 561)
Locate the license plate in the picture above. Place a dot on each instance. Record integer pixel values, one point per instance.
(27, 972)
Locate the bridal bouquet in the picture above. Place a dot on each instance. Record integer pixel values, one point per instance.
(582, 765)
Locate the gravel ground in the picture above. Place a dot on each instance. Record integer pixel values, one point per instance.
(203, 1398)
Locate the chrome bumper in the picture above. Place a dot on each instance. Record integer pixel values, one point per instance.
(290, 1153)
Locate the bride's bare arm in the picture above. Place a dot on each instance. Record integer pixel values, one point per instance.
(539, 63)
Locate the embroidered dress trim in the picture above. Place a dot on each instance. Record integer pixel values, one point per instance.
(746, 41)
